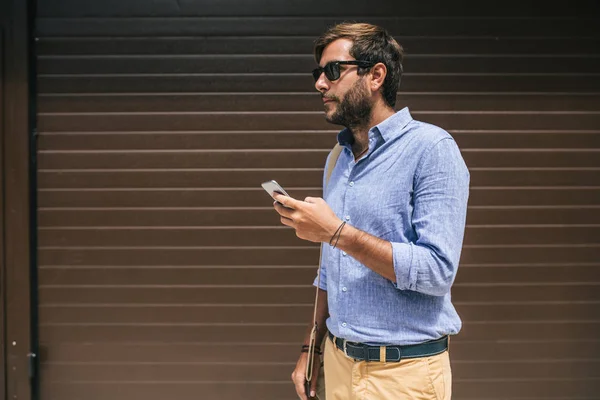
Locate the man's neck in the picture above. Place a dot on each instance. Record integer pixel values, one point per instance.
(361, 132)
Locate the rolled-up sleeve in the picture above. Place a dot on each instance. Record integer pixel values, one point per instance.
(441, 189)
(321, 283)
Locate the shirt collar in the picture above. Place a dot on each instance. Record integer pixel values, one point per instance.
(394, 125)
(388, 129)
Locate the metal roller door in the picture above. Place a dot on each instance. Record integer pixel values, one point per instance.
(163, 270)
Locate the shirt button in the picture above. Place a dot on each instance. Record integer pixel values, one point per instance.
(344, 289)
(344, 253)
(347, 218)
(351, 184)
(344, 324)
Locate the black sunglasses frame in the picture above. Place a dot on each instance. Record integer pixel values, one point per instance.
(332, 68)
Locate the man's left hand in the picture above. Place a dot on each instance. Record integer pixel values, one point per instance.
(312, 218)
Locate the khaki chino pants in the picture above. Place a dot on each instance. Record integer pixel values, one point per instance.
(427, 378)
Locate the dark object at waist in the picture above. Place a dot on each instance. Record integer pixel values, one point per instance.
(365, 352)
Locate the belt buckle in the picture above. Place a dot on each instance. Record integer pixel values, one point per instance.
(345, 348)
(397, 358)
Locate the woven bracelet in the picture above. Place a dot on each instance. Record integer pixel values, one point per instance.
(337, 233)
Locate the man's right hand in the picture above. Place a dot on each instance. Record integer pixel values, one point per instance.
(299, 376)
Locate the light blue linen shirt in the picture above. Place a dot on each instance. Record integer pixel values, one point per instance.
(411, 189)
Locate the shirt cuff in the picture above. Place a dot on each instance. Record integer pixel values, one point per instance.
(323, 282)
(405, 271)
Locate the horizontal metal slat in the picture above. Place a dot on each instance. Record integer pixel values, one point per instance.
(290, 314)
(292, 26)
(500, 389)
(140, 179)
(282, 352)
(269, 333)
(294, 139)
(304, 63)
(99, 255)
(192, 159)
(303, 8)
(283, 83)
(255, 197)
(304, 45)
(116, 275)
(294, 314)
(241, 390)
(289, 178)
(164, 102)
(224, 372)
(285, 236)
(178, 295)
(266, 294)
(266, 216)
(172, 275)
(268, 121)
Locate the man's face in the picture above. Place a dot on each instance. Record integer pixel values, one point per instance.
(347, 100)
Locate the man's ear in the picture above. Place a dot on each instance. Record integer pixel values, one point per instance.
(378, 74)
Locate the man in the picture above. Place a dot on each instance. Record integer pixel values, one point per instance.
(392, 222)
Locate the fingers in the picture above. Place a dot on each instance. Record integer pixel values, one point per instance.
(282, 209)
(299, 376)
(300, 391)
(286, 201)
(285, 213)
(313, 200)
(287, 222)
(299, 385)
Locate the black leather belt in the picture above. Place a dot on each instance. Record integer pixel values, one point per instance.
(364, 352)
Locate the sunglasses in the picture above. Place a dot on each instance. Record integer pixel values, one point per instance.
(332, 69)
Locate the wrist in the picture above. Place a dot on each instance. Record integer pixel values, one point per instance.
(333, 227)
(306, 346)
(347, 238)
(306, 349)
(335, 237)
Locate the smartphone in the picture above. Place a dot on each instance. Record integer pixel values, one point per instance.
(307, 389)
(273, 187)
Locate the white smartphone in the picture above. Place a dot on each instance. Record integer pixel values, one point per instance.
(273, 187)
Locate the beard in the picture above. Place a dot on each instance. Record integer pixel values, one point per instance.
(354, 109)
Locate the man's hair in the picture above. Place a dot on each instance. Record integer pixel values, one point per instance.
(369, 43)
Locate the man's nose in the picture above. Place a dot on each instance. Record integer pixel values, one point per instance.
(322, 84)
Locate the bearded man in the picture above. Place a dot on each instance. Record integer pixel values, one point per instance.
(392, 221)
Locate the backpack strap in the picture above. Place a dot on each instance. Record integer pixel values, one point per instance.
(335, 154)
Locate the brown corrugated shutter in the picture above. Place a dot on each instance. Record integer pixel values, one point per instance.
(163, 270)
